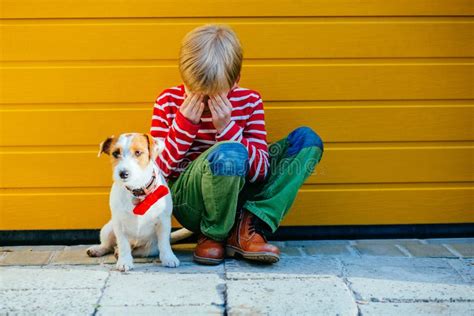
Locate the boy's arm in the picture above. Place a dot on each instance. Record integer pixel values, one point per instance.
(177, 134)
(254, 137)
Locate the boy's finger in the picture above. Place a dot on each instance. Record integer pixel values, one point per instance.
(197, 100)
(200, 109)
(187, 101)
(217, 106)
(222, 98)
(197, 108)
(217, 103)
(197, 103)
(212, 103)
(191, 105)
(194, 99)
(212, 107)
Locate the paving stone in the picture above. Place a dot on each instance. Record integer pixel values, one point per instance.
(160, 289)
(184, 252)
(390, 290)
(108, 259)
(279, 244)
(184, 267)
(418, 309)
(327, 250)
(49, 302)
(306, 243)
(386, 285)
(145, 260)
(3, 255)
(161, 310)
(465, 268)
(286, 267)
(50, 279)
(72, 257)
(450, 241)
(401, 242)
(324, 295)
(16, 248)
(465, 250)
(404, 269)
(291, 251)
(376, 249)
(429, 250)
(145, 265)
(30, 248)
(77, 247)
(184, 257)
(26, 258)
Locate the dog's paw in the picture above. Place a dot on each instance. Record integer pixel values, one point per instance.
(124, 265)
(169, 260)
(96, 251)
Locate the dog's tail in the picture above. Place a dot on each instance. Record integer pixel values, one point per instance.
(180, 234)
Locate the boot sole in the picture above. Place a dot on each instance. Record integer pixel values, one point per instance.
(266, 257)
(207, 261)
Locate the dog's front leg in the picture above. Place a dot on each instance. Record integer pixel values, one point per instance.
(163, 231)
(125, 259)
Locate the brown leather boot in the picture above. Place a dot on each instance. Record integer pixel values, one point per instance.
(208, 251)
(247, 240)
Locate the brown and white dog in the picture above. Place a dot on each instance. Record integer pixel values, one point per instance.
(140, 203)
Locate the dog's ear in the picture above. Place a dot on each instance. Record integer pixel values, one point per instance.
(104, 147)
(155, 146)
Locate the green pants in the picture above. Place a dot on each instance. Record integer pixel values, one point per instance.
(206, 199)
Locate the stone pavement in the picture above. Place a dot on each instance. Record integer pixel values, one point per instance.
(364, 277)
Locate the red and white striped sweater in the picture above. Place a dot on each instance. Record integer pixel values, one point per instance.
(185, 141)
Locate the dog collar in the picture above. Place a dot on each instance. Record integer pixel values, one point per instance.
(143, 206)
(144, 190)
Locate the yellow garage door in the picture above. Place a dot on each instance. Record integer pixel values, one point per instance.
(387, 84)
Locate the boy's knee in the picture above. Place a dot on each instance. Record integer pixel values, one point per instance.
(229, 159)
(303, 137)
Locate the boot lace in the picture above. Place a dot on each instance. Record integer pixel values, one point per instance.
(256, 226)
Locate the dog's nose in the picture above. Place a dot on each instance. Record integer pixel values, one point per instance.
(123, 174)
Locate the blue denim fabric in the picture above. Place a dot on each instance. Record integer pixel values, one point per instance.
(229, 159)
(303, 137)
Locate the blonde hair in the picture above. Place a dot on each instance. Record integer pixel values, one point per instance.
(210, 59)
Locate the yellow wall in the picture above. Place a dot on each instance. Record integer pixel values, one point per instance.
(387, 84)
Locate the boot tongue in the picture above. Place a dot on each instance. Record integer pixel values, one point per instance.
(255, 226)
(259, 238)
(202, 238)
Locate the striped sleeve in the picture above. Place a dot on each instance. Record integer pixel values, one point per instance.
(254, 137)
(171, 127)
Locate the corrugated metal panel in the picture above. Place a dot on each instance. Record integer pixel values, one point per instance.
(388, 85)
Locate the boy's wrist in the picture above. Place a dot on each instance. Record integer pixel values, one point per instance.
(185, 124)
(229, 132)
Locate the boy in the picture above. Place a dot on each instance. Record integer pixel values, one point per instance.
(227, 185)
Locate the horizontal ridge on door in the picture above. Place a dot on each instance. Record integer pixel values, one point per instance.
(312, 207)
(261, 39)
(301, 82)
(356, 164)
(332, 122)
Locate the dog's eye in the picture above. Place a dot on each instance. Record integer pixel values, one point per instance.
(138, 153)
(116, 154)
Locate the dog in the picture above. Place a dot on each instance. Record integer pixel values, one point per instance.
(140, 203)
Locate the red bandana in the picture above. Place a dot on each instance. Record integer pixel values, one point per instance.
(150, 199)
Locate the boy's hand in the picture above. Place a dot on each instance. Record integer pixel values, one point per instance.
(221, 111)
(192, 108)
